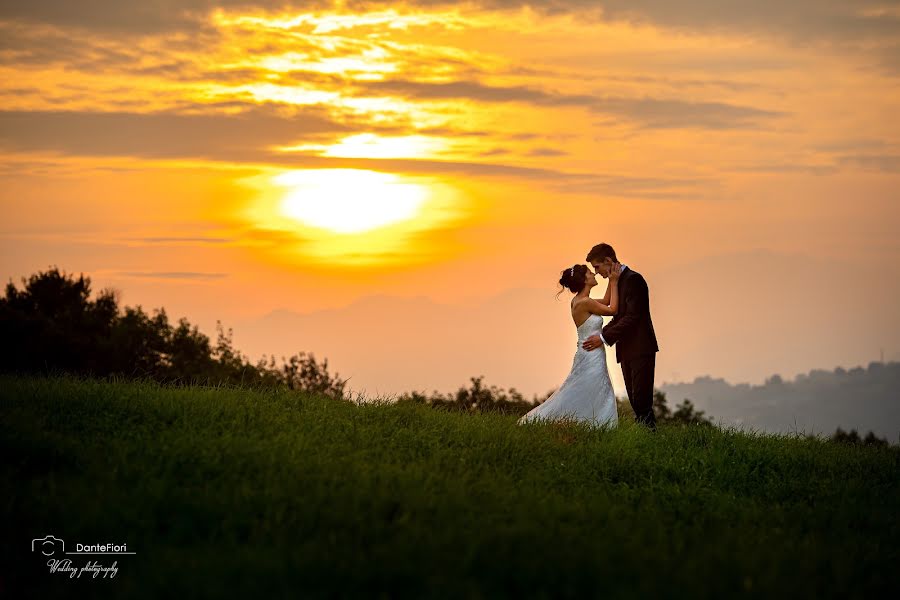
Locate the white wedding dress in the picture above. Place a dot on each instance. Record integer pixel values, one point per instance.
(587, 393)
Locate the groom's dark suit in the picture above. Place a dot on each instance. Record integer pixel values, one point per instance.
(631, 330)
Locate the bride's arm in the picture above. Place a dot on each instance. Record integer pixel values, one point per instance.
(596, 308)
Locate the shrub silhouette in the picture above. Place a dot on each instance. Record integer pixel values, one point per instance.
(852, 437)
(53, 325)
(477, 398)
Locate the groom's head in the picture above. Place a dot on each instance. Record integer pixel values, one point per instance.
(602, 257)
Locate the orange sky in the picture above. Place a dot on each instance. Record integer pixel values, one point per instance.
(396, 186)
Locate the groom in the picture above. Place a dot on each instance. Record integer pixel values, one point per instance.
(631, 330)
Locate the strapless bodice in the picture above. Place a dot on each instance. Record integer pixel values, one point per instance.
(591, 326)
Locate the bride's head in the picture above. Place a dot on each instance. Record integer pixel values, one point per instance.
(577, 278)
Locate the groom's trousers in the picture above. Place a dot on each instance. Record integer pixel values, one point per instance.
(638, 373)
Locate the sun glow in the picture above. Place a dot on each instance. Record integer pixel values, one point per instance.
(349, 201)
(330, 23)
(369, 145)
(372, 60)
(354, 218)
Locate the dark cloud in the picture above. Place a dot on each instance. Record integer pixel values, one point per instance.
(547, 152)
(247, 138)
(144, 17)
(595, 183)
(184, 240)
(889, 59)
(866, 154)
(24, 45)
(649, 112)
(494, 152)
(682, 83)
(161, 134)
(524, 136)
(852, 145)
(473, 90)
(669, 114)
(787, 168)
(645, 188)
(886, 163)
(172, 275)
(799, 19)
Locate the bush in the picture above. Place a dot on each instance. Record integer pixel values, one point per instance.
(852, 437)
(475, 399)
(52, 325)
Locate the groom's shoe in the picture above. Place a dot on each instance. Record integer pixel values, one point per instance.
(649, 421)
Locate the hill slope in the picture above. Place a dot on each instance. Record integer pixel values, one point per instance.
(237, 492)
(815, 402)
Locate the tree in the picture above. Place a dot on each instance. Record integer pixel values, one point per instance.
(476, 398)
(852, 437)
(684, 413)
(52, 325)
(302, 372)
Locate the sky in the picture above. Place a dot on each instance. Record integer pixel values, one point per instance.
(397, 187)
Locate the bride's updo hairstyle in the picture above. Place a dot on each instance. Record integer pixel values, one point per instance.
(573, 279)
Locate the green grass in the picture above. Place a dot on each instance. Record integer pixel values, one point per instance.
(229, 492)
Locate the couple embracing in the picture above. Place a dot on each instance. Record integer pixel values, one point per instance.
(587, 392)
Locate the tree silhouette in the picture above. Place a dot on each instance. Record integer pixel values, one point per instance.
(852, 437)
(476, 398)
(53, 325)
(684, 413)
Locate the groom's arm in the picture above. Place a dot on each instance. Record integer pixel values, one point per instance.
(638, 304)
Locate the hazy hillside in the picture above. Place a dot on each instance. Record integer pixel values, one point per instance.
(819, 401)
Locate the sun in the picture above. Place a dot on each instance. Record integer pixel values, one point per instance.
(348, 217)
(349, 201)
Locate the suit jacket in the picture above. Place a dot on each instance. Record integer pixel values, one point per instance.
(631, 330)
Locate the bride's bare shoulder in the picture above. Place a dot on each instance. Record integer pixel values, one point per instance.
(584, 304)
(579, 307)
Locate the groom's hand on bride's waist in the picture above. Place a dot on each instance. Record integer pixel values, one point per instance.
(592, 343)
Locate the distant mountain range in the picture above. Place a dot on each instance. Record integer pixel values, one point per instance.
(816, 402)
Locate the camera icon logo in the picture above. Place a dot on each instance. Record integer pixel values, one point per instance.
(48, 545)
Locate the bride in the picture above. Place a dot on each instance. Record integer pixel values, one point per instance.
(587, 392)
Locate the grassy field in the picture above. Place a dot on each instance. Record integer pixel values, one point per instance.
(233, 493)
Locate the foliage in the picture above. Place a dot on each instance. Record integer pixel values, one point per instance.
(852, 437)
(53, 325)
(684, 413)
(302, 372)
(477, 398)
